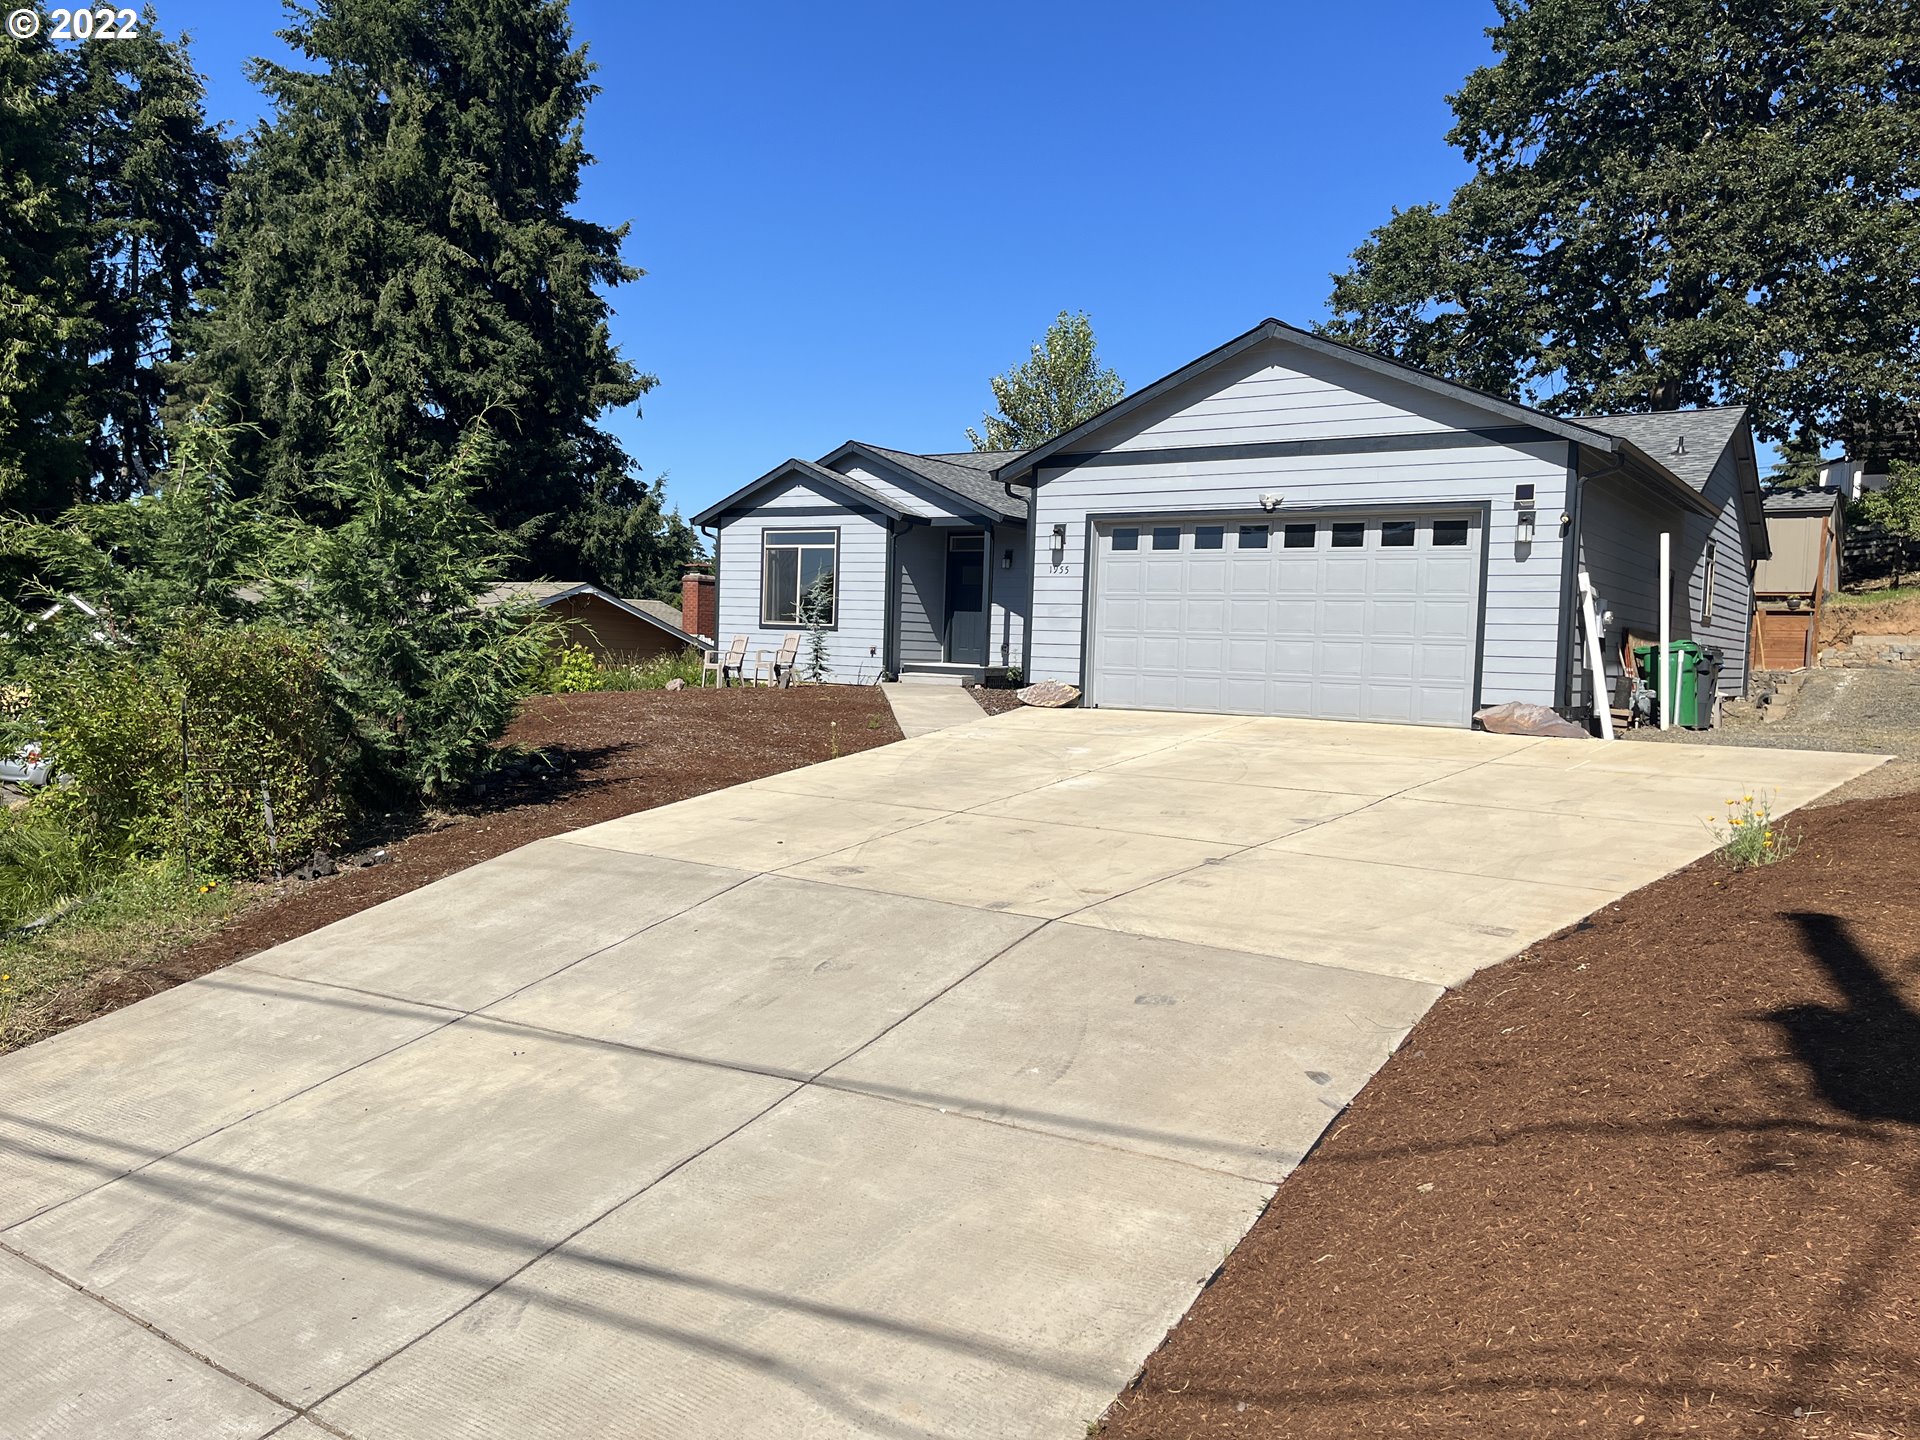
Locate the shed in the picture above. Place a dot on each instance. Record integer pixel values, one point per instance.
(1805, 530)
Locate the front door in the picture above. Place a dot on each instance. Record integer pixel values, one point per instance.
(967, 599)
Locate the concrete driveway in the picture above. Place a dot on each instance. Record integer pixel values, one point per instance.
(913, 1094)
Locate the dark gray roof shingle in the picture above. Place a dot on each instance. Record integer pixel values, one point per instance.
(1687, 442)
(1813, 500)
(968, 474)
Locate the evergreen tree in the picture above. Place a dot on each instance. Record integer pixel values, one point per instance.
(1061, 384)
(44, 330)
(411, 199)
(629, 543)
(1675, 202)
(151, 175)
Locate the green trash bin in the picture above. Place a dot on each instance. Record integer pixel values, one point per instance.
(1686, 660)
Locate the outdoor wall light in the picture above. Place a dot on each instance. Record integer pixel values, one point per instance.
(1059, 535)
(1006, 560)
(1269, 503)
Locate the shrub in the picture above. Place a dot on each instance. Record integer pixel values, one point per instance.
(567, 670)
(644, 675)
(1751, 836)
(188, 751)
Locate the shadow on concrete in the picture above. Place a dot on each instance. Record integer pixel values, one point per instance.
(390, 1234)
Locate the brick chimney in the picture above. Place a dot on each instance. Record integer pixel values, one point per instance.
(699, 605)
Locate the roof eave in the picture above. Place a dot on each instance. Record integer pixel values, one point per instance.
(1270, 329)
(808, 470)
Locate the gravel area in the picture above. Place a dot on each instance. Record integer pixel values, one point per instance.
(995, 700)
(1875, 711)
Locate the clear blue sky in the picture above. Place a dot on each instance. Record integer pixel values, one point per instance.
(852, 214)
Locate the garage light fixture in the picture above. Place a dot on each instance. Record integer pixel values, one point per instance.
(1523, 521)
(1269, 503)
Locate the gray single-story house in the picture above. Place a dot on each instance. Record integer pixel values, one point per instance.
(1286, 526)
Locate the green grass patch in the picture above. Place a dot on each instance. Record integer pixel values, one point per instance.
(1861, 599)
(139, 918)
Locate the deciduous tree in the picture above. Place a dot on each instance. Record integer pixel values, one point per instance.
(1060, 384)
(1675, 202)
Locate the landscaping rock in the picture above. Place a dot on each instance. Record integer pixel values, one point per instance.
(676, 684)
(1517, 717)
(1050, 695)
(321, 864)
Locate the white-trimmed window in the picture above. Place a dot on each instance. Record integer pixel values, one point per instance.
(792, 562)
(1706, 585)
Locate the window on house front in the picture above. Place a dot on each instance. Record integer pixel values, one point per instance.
(1349, 536)
(1706, 586)
(1449, 532)
(1300, 537)
(794, 562)
(1209, 537)
(1166, 537)
(1253, 537)
(1396, 532)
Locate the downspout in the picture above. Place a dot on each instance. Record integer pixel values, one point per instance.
(1032, 498)
(713, 544)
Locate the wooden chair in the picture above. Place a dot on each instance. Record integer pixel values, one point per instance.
(725, 668)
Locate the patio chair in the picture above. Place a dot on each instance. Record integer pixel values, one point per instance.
(783, 662)
(726, 668)
(777, 670)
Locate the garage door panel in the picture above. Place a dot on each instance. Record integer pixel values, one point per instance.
(1381, 630)
(1390, 661)
(1208, 615)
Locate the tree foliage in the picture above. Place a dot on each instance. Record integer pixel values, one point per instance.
(1896, 509)
(411, 200)
(1675, 202)
(1061, 384)
(43, 255)
(112, 177)
(152, 172)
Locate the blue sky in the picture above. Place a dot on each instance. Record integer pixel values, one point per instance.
(851, 215)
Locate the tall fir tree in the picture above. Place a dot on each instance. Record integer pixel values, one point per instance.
(1674, 202)
(46, 334)
(412, 199)
(152, 172)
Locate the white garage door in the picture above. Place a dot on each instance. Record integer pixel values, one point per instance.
(1334, 618)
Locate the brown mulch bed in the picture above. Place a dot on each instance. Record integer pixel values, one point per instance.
(1658, 1176)
(613, 753)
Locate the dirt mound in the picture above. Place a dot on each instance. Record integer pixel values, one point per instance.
(1840, 623)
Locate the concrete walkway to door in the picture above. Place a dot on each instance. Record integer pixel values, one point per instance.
(912, 1094)
(920, 708)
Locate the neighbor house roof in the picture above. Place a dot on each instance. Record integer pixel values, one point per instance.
(1690, 443)
(812, 474)
(551, 592)
(962, 475)
(1021, 467)
(1812, 500)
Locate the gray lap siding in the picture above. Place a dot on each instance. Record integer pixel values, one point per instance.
(856, 643)
(1522, 601)
(1730, 627)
